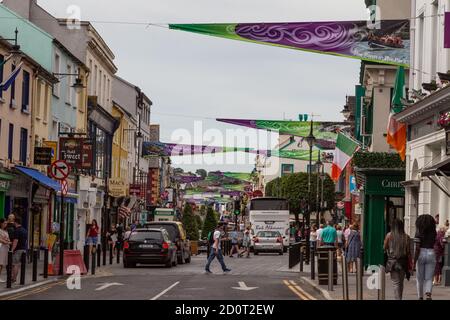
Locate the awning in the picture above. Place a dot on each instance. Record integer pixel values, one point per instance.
(40, 178)
(441, 169)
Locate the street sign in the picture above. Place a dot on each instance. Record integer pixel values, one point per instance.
(64, 188)
(43, 156)
(60, 170)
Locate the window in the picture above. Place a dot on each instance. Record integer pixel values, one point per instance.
(57, 67)
(46, 102)
(108, 92)
(94, 83)
(2, 59)
(69, 86)
(100, 91)
(12, 102)
(91, 87)
(23, 145)
(37, 107)
(420, 46)
(10, 141)
(287, 169)
(26, 92)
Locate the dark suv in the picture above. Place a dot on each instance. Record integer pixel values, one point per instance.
(149, 246)
(178, 236)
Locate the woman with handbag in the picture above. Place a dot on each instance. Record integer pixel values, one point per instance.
(397, 247)
(353, 248)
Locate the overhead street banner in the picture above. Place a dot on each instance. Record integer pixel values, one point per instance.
(387, 41)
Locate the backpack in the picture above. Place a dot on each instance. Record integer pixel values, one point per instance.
(211, 237)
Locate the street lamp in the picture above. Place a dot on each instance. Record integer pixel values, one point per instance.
(311, 140)
(78, 85)
(15, 53)
(346, 112)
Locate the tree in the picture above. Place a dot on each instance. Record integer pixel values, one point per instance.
(202, 173)
(210, 222)
(189, 222)
(178, 171)
(199, 222)
(294, 188)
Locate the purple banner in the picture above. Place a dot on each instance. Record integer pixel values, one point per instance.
(447, 31)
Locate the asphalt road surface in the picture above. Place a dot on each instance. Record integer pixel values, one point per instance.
(258, 278)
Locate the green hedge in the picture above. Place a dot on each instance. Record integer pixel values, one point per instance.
(364, 159)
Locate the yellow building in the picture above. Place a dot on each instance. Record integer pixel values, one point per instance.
(121, 148)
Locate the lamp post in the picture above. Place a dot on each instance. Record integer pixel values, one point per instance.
(319, 165)
(311, 140)
(15, 53)
(78, 85)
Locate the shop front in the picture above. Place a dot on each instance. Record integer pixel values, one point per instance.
(382, 199)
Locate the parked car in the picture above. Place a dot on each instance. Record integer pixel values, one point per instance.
(149, 246)
(178, 236)
(268, 241)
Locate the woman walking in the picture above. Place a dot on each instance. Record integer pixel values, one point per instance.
(353, 248)
(246, 241)
(425, 257)
(4, 246)
(313, 238)
(396, 245)
(92, 236)
(340, 239)
(439, 249)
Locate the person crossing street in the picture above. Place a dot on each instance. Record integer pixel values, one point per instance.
(216, 250)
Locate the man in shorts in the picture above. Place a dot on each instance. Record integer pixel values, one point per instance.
(19, 246)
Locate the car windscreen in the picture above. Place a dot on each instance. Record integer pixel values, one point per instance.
(268, 234)
(171, 229)
(146, 235)
(269, 205)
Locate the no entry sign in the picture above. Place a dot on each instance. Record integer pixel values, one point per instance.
(60, 170)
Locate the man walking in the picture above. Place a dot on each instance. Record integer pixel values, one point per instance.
(19, 246)
(216, 250)
(329, 235)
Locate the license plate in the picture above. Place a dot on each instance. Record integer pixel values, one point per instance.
(146, 246)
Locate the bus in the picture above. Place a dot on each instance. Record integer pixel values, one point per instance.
(270, 214)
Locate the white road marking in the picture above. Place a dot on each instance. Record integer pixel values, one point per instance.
(107, 285)
(243, 287)
(165, 291)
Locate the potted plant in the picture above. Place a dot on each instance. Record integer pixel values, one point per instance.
(432, 86)
(444, 120)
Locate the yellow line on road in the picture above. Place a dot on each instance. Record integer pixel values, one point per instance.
(33, 291)
(294, 290)
(310, 297)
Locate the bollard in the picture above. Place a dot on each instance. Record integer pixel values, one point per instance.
(359, 281)
(93, 263)
(301, 258)
(104, 253)
(382, 283)
(330, 270)
(86, 257)
(118, 254)
(35, 265)
(99, 252)
(45, 263)
(344, 277)
(111, 253)
(9, 270)
(313, 264)
(23, 263)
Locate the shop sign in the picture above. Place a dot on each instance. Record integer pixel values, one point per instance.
(70, 151)
(54, 146)
(43, 156)
(353, 189)
(87, 157)
(385, 185)
(117, 188)
(4, 185)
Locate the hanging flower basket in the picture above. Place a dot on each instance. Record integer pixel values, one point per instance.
(444, 120)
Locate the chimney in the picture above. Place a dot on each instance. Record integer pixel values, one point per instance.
(21, 7)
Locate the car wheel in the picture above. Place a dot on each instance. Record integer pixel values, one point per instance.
(169, 264)
(256, 252)
(281, 252)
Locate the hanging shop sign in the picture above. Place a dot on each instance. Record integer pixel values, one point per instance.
(54, 146)
(43, 156)
(135, 190)
(117, 187)
(87, 156)
(71, 150)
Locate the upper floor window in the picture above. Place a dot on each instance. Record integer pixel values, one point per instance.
(26, 92)
(57, 67)
(69, 86)
(2, 59)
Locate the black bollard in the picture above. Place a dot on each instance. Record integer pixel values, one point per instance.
(118, 254)
(93, 263)
(111, 253)
(23, 263)
(313, 264)
(99, 252)
(45, 263)
(9, 270)
(35, 254)
(104, 253)
(86, 257)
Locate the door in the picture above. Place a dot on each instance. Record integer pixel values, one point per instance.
(395, 209)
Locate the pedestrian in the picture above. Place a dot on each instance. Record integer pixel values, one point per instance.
(4, 246)
(234, 243)
(319, 234)
(353, 248)
(11, 225)
(329, 235)
(425, 257)
(216, 250)
(313, 238)
(347, 232)
(439, 249)
(127, 233)
(246, 242)
(111, 235)
(340, 239)
(18, 247)
(120, 234)
(92, 236)
(396, 246)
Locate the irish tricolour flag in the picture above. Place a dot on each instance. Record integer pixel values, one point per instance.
(345, 148)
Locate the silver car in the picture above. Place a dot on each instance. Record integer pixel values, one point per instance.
(268, 241)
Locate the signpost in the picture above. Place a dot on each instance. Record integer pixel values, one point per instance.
(60, 170)
(43, 156)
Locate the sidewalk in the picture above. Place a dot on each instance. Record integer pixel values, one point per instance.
(409, 292)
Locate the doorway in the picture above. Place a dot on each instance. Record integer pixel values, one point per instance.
(395, 209)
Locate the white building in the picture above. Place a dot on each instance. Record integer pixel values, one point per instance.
(426, 159)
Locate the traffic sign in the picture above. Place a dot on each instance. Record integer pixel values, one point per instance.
(64, 188)
(60, 170)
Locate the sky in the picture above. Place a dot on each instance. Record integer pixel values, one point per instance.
(193, 79)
